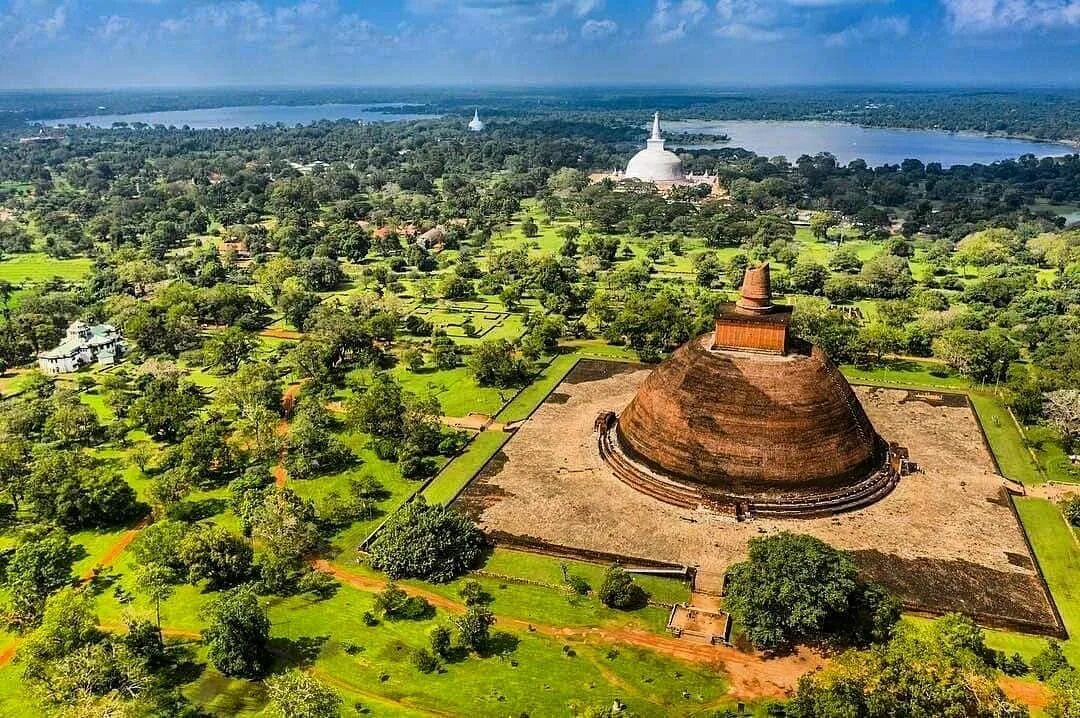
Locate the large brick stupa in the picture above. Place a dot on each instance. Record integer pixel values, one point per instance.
(752, 417)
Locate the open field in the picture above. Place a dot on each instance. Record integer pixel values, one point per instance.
(38, 267)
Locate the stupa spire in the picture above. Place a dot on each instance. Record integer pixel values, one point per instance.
(656, 127)
(756, 293)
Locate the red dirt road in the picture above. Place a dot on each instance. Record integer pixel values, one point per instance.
(751, 674)
(1035, 696)
(113, 552)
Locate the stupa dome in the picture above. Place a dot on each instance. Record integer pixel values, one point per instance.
(749, 414)
(475, 124)
(654, 163)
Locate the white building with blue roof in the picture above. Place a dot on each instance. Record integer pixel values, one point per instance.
(83, 345)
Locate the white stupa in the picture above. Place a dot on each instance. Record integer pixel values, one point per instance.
(654, 163)
(475, 124)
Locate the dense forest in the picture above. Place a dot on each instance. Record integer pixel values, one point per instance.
(1045, 114)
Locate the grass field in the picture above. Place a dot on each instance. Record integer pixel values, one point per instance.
(38, 267)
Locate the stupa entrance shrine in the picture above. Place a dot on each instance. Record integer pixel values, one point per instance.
(749, 420)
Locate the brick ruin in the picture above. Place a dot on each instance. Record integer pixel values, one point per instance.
(750, 420)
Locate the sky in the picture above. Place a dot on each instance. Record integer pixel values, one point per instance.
(117, 43)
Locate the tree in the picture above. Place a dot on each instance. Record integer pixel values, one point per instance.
(1049, 661)
(68, 487)
(618, 589)
(428, 541)
(474, 627)
(821, 223)
(809, 277)
(492, 363)
(1062, 411)
(213, 554)
(14, 468)
(310, 447)
(529, 228)
(72, 423)
(227, 349)
(826, 327)
(297, 304)
(165, 405)
(237, 634)
(982, 355)
(156, 582)
(982, 249)
(40, 565)
(707, 268)
(887, 277)
(795, 587)
(285, 524)
(440, 639)
(296, 694)
(846, 260)
(444, 352)
(917, 673)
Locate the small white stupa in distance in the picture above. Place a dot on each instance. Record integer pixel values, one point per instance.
(476, 125)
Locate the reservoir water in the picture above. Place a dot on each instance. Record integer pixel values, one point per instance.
(250, 116)
(875, 145)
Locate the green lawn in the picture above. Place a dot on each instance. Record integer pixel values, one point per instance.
(1005, 439)
(457, 474)
(1056, 546)
(39, 267)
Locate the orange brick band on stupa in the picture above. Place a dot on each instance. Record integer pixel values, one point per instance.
(751, 414)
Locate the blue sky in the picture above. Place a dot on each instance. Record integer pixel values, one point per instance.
(106, 43)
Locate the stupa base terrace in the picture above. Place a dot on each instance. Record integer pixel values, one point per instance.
(793, 504)
(942, 538)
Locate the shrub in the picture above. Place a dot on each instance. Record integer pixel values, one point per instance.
(393, 602)
(578, 584)
(1049, 661)
(618, 589)
(424, 660)
(1071, 509)
(474, 627)
(319, 583)
(440, 640)
(473, 593)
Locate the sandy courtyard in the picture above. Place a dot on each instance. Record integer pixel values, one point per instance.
(944, 539)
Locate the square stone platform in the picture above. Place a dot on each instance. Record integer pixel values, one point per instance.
(946, 539)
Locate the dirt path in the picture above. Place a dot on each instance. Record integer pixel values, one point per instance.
(112, 553)
(751, 674)
(1033, 695)
(281, 334)
(474, 422)
(1052, 490)
(8, 652)
(288, 404)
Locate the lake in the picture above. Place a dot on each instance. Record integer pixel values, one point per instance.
(876, 145)
(249, 116)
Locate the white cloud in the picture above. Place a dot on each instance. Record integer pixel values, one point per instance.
(27, 22)
(599, 28)
(114, 27)
(671, 20)
(874, 28)
(995, 15)
(558, 36)
(740, 31)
